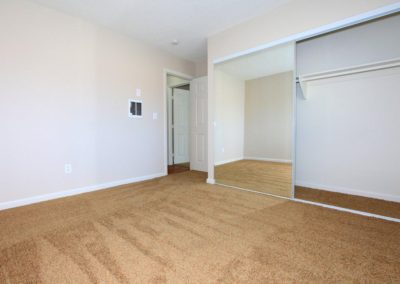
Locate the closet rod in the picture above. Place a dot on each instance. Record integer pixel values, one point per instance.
(378, 65)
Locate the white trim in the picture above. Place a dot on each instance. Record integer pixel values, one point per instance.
(387, 197)
(347, 210)
(60, 194)
(377, 65)
(211, 181)
(380, 12)
(169, 123)
(228, 161)
(178, 74)
(180, 84)
(167, 72)
(294, 116)
(373, 66)
(318, 204)
(269, 160)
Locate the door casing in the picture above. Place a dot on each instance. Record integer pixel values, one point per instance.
(165, 105)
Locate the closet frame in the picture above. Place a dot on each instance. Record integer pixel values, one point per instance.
(302, 80)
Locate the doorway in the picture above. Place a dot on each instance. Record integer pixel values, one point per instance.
(178, 113)
(186, 121)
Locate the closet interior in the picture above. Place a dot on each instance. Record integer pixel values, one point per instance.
(348, 119)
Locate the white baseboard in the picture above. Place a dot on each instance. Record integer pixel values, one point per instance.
(376, 195)
(269, 160)
(211, 181)
(228, 161)
(60, 194)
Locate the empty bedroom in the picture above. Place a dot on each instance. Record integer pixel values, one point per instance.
(185, 141)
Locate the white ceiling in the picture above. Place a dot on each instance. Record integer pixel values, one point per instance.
(159, 22)
(264, 63)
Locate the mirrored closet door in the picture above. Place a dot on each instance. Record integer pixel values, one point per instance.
(254, 121)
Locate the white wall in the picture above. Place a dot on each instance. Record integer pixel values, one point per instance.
(348, 130)
(201, 68)
(229, 139)
(287, 20)
(64, 90)
(348, 135)
(374, 41)
(268, 117)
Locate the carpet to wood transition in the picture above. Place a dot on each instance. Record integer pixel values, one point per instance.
(178, 229)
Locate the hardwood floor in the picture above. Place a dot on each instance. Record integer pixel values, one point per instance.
(262, 176)
(370, 205)
(178, 168)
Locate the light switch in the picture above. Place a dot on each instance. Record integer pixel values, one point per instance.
(68, 169)
(155, 115)
(138, 92)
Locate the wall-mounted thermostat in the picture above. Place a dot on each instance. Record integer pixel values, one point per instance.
(135, 108)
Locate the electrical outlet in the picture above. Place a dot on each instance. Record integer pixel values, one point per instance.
(68, 169)
(223, 150)
(155, 115)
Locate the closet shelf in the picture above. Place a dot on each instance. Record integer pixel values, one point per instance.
(378, 65)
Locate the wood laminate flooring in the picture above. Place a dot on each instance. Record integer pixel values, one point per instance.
(267, 177)
(178, 168)
(360, 203)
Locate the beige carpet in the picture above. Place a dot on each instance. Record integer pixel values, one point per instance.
(178, 229)
(262, 176)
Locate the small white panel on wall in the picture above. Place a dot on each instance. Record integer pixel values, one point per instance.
(135, 108)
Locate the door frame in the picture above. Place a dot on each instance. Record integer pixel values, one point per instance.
(171, 90)
(167, 72)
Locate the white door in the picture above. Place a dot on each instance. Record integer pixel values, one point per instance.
(170, 127)
(198, 124)
(181, 105)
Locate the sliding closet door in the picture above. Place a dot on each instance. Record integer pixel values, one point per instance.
(254, 121)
